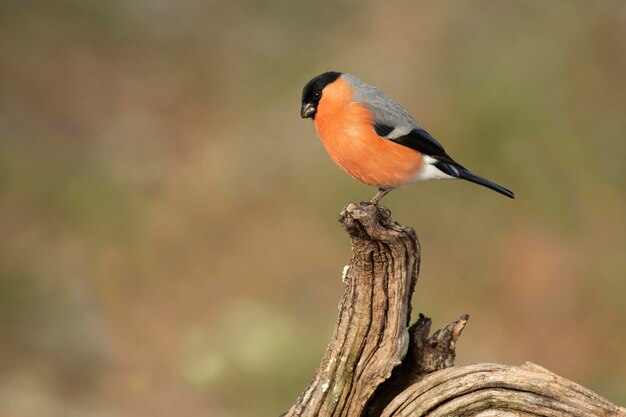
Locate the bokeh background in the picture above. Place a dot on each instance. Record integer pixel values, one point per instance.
(169, 244)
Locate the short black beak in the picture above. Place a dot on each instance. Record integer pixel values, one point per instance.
(307, 110)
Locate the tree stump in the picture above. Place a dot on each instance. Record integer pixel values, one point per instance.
(378, 365)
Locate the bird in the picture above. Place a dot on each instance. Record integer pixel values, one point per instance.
(374, 139)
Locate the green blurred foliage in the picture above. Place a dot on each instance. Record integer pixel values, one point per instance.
(169, 243)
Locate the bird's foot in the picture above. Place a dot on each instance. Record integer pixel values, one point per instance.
(379, 195)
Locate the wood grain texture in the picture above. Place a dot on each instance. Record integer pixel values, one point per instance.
(371, 337)
(377, 365)
(489, 389)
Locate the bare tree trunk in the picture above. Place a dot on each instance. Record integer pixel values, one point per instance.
(378, 365)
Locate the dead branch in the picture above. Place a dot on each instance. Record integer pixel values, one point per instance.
(378, 365)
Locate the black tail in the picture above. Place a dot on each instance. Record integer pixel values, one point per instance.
(468, 176)
(460, 172)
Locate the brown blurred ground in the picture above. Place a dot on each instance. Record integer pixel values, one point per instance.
(168, 222)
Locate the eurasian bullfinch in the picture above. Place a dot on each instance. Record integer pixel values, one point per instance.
(374, 139)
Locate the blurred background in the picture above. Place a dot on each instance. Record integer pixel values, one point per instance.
(169, 243)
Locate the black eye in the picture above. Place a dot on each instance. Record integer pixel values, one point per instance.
(317, 95)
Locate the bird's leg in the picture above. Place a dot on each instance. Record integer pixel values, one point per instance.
(380, 194)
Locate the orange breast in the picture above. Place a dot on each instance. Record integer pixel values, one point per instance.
(347, 132)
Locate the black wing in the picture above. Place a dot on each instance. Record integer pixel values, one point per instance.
(419, 140)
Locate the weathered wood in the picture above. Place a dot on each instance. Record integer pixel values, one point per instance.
(376, 365)
(426, 354)
(371, 336)
(487, 389)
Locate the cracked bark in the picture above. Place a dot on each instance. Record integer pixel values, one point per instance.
(377, 365)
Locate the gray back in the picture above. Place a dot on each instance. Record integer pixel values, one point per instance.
(385, 109)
